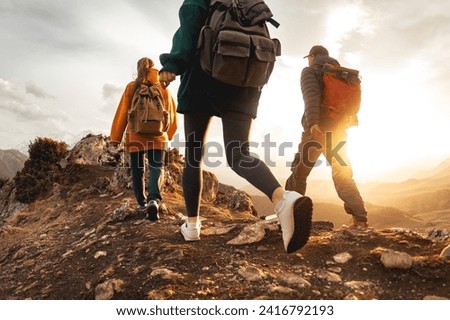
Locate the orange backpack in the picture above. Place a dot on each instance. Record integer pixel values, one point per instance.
(341, 92)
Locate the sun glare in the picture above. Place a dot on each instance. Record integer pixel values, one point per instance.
(393, 123)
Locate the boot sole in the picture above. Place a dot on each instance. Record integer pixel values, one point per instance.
(302, 224)
(190, 239)
(152, 213)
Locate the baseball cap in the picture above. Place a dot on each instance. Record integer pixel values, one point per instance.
(315, 50)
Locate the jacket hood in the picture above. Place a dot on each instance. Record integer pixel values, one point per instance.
(153, 76)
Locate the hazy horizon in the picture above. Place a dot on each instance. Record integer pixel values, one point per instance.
(217, 164)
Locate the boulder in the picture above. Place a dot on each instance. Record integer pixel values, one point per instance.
(343, 257)
(393, 259)
(94, 150)
(9, 206)
(235, 200)
(107, 289)
(252, 233)
(210, 187)
(251, 273)
(446, 252)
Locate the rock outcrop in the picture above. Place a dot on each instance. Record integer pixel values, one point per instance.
(94, 150)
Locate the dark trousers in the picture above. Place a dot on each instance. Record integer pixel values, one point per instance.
(333, 147)
(236, 130)
(155, 160)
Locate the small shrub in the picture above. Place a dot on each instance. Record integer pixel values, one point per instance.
(46, 151)
(40, 170)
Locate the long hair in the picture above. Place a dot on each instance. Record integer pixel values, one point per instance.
(143, 68)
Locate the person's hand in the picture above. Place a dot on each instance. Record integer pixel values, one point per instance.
(166, 77)
(316, 133)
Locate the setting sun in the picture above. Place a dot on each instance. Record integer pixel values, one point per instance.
(394, 122)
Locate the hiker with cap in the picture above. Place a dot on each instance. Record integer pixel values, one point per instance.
(324, 134)
(200, 97)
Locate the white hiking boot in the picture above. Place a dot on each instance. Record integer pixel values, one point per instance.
(191, 231)
(294, 212)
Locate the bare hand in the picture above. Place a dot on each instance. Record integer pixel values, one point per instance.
(166, 77)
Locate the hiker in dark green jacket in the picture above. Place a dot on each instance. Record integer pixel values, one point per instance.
(194, 82)
(200, 97)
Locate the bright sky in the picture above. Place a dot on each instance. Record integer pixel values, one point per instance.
(64, 65)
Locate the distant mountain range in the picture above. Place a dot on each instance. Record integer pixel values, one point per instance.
(415, 203)
(11, 161)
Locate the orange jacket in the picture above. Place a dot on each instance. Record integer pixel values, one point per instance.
(133, 141)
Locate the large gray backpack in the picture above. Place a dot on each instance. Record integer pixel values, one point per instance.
(234, 45)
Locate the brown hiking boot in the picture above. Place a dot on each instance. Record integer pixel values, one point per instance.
(357, 225)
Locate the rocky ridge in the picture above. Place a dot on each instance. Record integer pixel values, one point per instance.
(86, 240)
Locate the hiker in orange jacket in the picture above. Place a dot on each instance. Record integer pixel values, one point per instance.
(138, 145)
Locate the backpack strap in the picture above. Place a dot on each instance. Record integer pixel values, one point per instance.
(274, 22)
(220, 5)
(137, 85)
(156, 92)
(240, 12)
(252, 12)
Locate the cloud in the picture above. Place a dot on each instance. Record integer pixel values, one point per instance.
(111, 96)
(9, 91)
(23, 119)
(24, 111)
(345, 22)
(41, 24)
(13, 99)
(41, 27)
(38, 92)
(111, 91)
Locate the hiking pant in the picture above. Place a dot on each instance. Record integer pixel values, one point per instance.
(333, 147)
(155, 178)
(236, 129)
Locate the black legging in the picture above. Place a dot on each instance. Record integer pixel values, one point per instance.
(236, 130)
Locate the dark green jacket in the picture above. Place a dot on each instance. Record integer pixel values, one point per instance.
(198, 92)
(192, 15)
